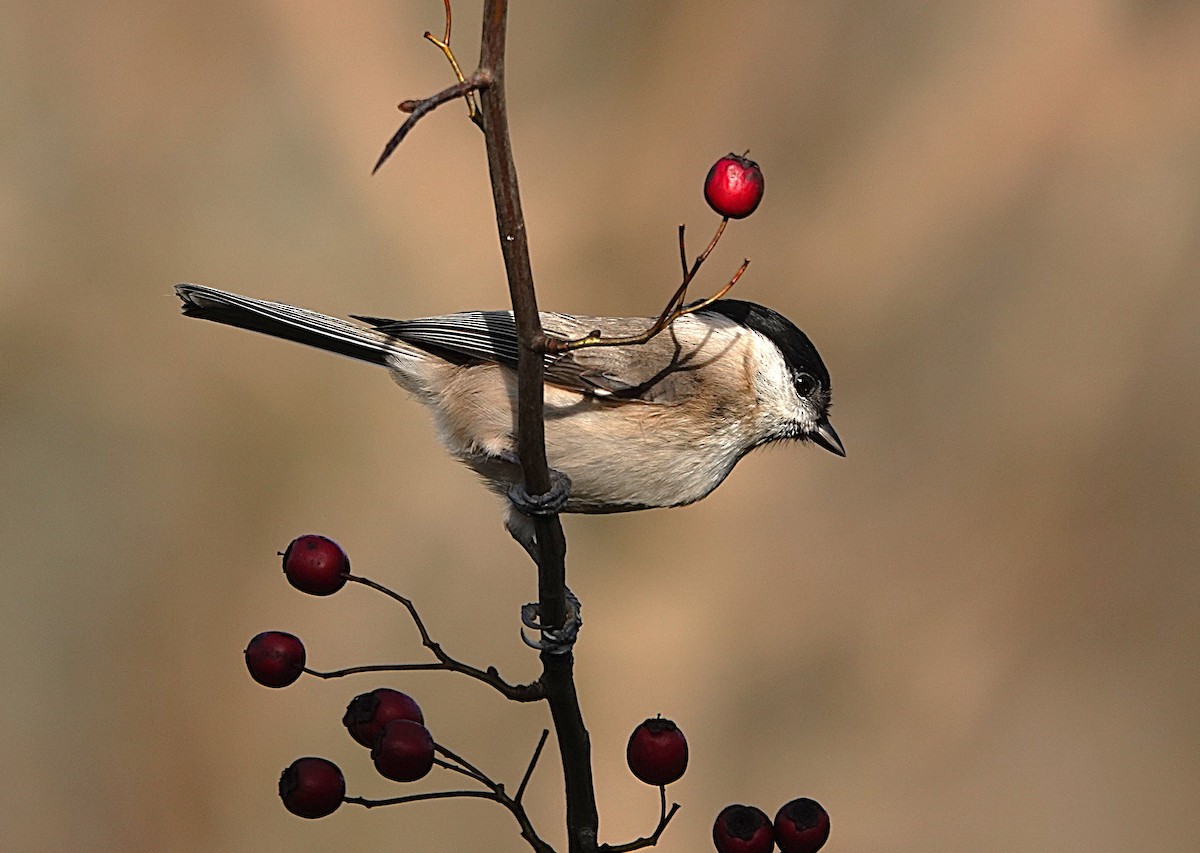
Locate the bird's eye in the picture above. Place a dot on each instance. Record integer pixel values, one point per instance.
(806, 384)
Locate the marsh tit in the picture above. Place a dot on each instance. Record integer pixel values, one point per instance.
(659, 424)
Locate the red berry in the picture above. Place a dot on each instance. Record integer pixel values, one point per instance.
(404, 751)
(657, 752)
(801, 826)
(743, 829)
(275, 658)
(368, 713)
(312, 787)
(316, 565)
(734, 186)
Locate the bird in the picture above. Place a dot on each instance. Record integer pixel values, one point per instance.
(628, 427)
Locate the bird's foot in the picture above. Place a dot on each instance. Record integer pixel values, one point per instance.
(539, 506)
(555, 641)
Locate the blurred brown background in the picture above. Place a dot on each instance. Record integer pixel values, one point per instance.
(977, 632)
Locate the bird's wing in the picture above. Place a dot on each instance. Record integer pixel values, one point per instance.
(467, 336)
(492, 336)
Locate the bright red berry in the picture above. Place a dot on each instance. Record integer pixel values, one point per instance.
(312, 787)
(734, 186)
(316, 565)
(743, 829)
(275, 658)
(657, 752)
(403, 751)
(368, 713)
(801, 826)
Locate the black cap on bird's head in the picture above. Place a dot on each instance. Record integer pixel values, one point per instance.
(809, 374)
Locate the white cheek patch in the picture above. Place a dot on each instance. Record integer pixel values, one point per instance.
(777, 398)
(772, 379)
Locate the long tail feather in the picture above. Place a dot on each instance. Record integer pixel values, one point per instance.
(288, 322)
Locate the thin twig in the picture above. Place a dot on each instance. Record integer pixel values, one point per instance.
(444, 46)
(670, 314)
(517, 692)
(664, 818)
(449, 765)
(413, 798)
(446, 38)
(468, 768)
(495, 793)
(537, 753)
(683, 251)
(675, 306)
(374, 667)
(478, 81)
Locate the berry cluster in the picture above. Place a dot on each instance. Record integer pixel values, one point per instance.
(388, 722)
(801, 826)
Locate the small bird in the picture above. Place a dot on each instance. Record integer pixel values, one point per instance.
(658, 424)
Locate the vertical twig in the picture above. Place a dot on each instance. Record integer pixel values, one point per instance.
(558, 669)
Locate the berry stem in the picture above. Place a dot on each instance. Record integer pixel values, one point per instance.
(495, 793)
(413, 798)
(465, 767)
(652, 839)
(517, 692)
(373, 667)
(675, 305)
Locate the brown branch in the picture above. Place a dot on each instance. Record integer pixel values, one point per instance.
(490, 676)
(527, 830)
(648, 841)
(495, 792)
(664, 818)
(557, 683)
(513, 804)
(477, 82)
(558, 669)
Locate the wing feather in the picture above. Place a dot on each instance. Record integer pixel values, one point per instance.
(629, 373)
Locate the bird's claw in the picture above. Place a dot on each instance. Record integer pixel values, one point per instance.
(551, 503)
(555, 641)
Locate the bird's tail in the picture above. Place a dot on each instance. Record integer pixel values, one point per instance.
(288, 322)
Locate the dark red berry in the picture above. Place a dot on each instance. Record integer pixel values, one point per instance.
(734, 186)
(743, 829)
(275, 658)
(801, 826)
(403, 751)
(657, 752)
(316, 565)
(312, 787)
(368, 713)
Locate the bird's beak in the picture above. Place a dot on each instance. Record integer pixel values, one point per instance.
(827, 438)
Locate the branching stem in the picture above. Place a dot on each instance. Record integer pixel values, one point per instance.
(675, 306)
(517, 692)
(496, 791)
(478, 81)
(664, 818)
